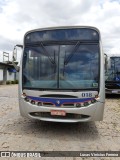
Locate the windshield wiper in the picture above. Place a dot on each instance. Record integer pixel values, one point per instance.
(47, 54)
(72, 53)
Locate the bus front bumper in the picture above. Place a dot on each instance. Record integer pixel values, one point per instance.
(93, 112)
(112, 91)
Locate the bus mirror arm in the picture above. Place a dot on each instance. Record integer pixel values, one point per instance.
(14, 58)
(19, 45)
(15, 66)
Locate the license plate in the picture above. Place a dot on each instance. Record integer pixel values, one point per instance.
(114, 91)
(58, 113)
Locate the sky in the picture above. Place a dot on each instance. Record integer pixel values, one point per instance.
(19, 16)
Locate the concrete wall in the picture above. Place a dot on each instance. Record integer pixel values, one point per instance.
(1, 74)
(5, 75)
(10, 76)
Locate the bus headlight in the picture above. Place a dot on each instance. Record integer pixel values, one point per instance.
(32, 102)
(86, 103)
(26, 99)
(39, 103)
(96, 96)
(23, 95)
(93, 101)
(78, 105)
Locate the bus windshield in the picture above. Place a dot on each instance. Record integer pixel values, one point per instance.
(69, 65)
(113, 73)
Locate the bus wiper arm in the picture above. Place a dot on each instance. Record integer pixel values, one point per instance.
(47, 54)
(72, 53)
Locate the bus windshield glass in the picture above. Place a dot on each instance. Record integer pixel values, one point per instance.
(113, 73)
(61, 65)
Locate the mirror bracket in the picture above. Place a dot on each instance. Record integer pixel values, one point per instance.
(14, 57)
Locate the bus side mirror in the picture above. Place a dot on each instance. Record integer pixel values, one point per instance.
(106, 64)
(14, 57)
(14, 54)
(106, 61)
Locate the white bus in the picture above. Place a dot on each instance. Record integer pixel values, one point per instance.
(62, 75)
(112, 75)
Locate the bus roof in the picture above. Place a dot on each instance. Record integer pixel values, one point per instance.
(63, 27)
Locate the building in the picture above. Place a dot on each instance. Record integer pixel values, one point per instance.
(7, 72)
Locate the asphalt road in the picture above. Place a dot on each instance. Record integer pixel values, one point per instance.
(21, 134)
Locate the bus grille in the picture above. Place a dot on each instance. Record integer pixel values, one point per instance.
(67, 105)
(68, 115)
(46, 104)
